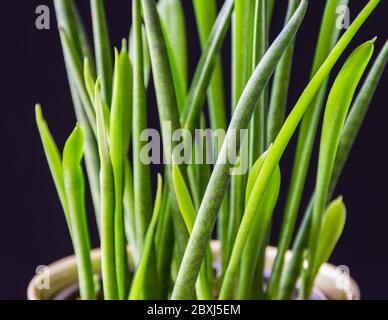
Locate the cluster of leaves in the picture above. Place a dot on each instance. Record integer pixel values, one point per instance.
(170, 254)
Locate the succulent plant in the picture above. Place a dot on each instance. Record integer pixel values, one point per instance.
(170, 254)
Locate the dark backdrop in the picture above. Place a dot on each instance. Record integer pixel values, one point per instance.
(32, 225)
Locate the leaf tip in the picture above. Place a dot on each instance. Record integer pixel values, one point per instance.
(339, 203)
(86, 61)
(372, 41)
(97, 86)
(38, 112)
(61, 28)
(116, 54)
(124, 44)
(160, 181)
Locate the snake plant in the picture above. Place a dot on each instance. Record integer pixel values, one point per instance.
(158, 245)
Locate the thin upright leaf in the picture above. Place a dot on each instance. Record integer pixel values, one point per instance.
(280, 85)
(75, 195)
(172, 16)
(258, 126)
(259, 46)
(179, 84)
(166, 100)
(338, 103)
(146, 54)
(108, 265)
(241, 70)
(205, 14)
(257, 235)
(164, 245)
(357, 113)
(75, 66)
(54, 160)
(332, 226)
(129, 208)
(142, 186)
(140, 275)
(186, 206)
(120, 124)
(197, 92)
(69, 18)
(102, 48)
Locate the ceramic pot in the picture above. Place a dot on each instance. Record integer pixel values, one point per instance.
(62, 278)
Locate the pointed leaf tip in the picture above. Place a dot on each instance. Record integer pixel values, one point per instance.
(372, 41)
(124, 44)
(38, 111)
(74, 147)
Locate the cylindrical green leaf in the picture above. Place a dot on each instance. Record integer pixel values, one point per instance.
(142, 180)
(102, 48)
(75, 194)
(141, 271)
(108, 263)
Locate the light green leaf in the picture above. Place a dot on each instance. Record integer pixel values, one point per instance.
(332, 226)
(348, 136)
(183, 197)
(205, 14)
(120, 124)
(256, 241)
(142, 181)
(69, 18)
(198, 87)
(164, 245)
(338, 103)
(280, 85)
(75, 67)
(54, 160)
(88, 79)
(107, 191)
(357, 113)
(75, 194)
(146, 54)
(140, 275)
(102, 48)
(241, 71)
(255, 233)
(166, 101)
(186, 207)
(172, 15)
(328, 36)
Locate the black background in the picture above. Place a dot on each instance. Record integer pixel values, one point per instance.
(32, 225)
